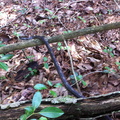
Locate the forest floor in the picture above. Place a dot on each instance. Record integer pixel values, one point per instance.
(92, 55)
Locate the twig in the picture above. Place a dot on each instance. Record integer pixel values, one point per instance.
(117, 4)
(71, 62)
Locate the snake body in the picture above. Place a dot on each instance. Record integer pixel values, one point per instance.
(64, 81)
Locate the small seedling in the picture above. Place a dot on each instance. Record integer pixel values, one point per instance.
(53, 93)
(45, 59)
(50, 112)
(4, 57)
(118, 64)
(109, 50)
(60, 47)
(42, 21)
(16, 34)
(26, 25)
(2, 77)
(83, 20)
(33, 72)
(109, 70)
(79, 78)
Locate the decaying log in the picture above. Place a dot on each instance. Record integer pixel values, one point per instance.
(80, 108)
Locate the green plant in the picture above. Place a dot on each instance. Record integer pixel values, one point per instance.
(83, 20)
(17, 34)
(23, 10)
(4, 57)
(53, 93)
(51, 13)
(60, 47)
(32, 72)
(109, 70)
(45, 59)
(42, 21)
(79, 78)
(118, 64)
(110, 11)
(2, 77)
(26, 25)
(109, 50)
(49, 112)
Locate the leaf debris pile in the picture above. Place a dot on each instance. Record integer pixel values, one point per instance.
(90, 53)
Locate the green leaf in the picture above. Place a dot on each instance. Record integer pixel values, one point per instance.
(117, 63)
(105, 50)
(110, 49)
(59, 43)
(53, 93)
(23, 117)
(111, 54)
(3, 66)
(43, 118)
(2, 45)
(49, 10)
(79, 77)
(42, 21)
(82, 19)
(16, 34)
(72, 76)
(6, 57)
(30, 56)
(51, 112)
(36, 101)
(84, 83)
(58, 48)
(46, 65)
(45, 59)
(49, 83)
(40, 87)
(29, 110)
(108, 68)
(119, 67)
(58, 85)
(106, 71)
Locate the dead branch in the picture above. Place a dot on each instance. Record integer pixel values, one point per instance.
(58, 38)
(82, 108)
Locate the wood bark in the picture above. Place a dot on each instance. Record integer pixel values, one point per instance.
(82, 108)
(58, 38)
